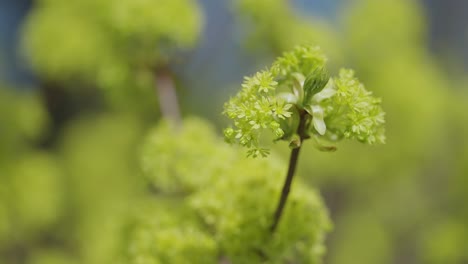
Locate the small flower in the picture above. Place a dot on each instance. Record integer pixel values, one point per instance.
(264, 81)
(281, 110)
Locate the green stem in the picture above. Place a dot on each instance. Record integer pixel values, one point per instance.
(291, 171)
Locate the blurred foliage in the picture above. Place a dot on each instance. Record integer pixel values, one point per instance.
(273, 26)
(36, 190)
(78, 192)
(31, 186)
(168, 161)
(111, 167)
(238, 207)
(51, 257)
(221, 195)
(23, 120)
(414, 92)
(167, 234)
(116, 46)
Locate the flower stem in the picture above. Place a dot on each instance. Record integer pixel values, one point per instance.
(291, 171)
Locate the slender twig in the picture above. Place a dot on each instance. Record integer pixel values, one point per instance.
(167, 95)
(291, 171)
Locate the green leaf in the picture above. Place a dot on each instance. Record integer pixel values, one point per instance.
(314, 83)
(327, 92)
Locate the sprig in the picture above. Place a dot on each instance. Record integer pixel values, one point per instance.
(312, 104)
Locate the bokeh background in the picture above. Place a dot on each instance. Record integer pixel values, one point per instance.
(77, 96)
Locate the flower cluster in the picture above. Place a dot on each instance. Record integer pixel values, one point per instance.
(255, 108)
(353, 112)
(301, 60)
(298, 86)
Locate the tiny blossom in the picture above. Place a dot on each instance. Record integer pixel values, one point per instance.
(281, 110)
(265, 82)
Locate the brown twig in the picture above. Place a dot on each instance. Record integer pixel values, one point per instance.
(291, 171)
(167, 95)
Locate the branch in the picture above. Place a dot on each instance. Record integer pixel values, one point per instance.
(291, 171)
(167, 95)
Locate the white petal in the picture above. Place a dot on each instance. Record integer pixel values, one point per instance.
(319, 124)
(288, 98)
(299, 78)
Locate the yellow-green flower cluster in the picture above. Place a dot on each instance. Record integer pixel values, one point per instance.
(255, 108)
(298, 86)
(353, 112)
(301, 60)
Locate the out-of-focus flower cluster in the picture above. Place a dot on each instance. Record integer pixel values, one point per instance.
(229, 199)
